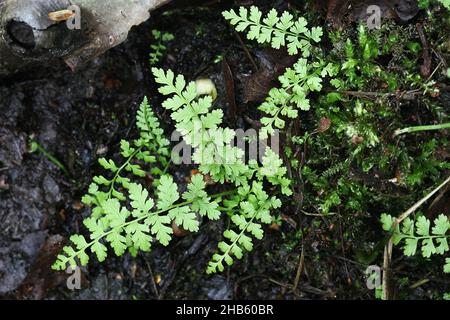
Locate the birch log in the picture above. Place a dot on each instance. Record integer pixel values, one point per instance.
(29, 36)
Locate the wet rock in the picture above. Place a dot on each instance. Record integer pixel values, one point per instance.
(14, 260)
(219, 289)
(104, 287)
(18, 217)
(41, 277)
(31, 244)
(361, 10)
(51, 190)
(48, 134)
(13, 271)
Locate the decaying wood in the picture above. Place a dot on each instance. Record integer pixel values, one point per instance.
(35, 31)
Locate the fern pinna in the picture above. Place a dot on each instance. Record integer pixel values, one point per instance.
(299, 80)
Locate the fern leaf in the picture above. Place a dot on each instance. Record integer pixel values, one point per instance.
(278, 31)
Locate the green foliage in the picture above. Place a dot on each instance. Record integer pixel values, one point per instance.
(110, 222)
(151, 148)
(414, 234)
(200, 128)
(357, 166)
(423, 4)
(297, 82)
(136, 228)
(278, 31)
(360, 68)
(335, 169)
(345, 161)
(159, 47)
(371, 80)
(201, 202)
(347, 169)
(113, 223)
(445, 3)
(215, 156)
(254, 205)
(425, 165)
(273, 170)
(125, 216)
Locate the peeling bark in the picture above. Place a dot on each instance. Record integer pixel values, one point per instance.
(28, 36)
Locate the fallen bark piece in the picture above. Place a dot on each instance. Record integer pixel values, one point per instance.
(38, 31)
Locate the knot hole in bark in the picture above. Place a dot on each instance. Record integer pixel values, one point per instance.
(21, 34)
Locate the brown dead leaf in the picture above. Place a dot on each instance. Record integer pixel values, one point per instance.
(41, 277)
(272, 63)
(207, 178)
(178, 231)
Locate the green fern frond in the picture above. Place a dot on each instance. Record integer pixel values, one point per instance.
(125, 217)
(158, 48)
(412, 234)
(150, 148)
(200, 128)
(296, 84)
(445, 3)
(278, 31)
(253, 211)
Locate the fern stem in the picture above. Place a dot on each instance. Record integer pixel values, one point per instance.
(426, 237)
(113, 181)
(274, 28)
(167, 166)
(56, 162)
(422, 128)
(233, 244)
